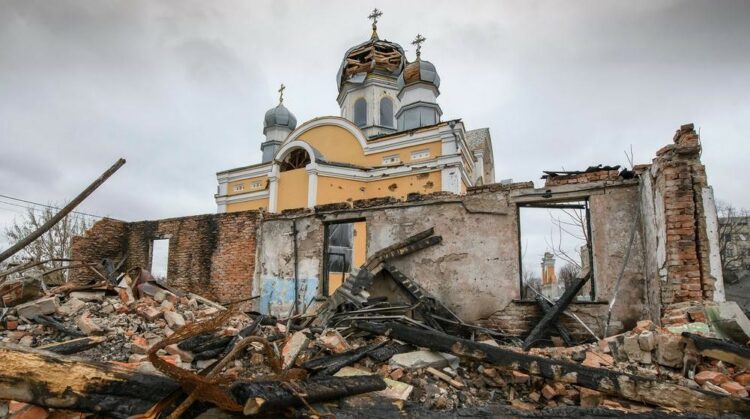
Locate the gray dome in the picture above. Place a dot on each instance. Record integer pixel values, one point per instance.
(418, 71)
(279, 117)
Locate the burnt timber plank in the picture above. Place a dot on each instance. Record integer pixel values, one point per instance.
(551, 317)
(264, 396)
(723, 350)
(628, 386)
(546, 307)
(55, 381)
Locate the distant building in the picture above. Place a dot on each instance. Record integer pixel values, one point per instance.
(389, 140)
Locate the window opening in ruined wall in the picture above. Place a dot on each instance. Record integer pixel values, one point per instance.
(159, 258)
(555, 249)
(345, 249)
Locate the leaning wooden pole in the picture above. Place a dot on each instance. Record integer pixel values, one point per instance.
(620, 384)
(56, 381)
(62, 213)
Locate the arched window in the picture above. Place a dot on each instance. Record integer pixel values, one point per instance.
(386, 112)
(360, 112)
(297, 159)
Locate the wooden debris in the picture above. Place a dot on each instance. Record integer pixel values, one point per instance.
(56, 381)
(554, 314)
(445, 377)
(623, 385)
(722, 350)
(266, 396)
(74, 345)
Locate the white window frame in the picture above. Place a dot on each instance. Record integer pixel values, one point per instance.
(392, 159)
(420, 154)
(238, 187)
(257, 184)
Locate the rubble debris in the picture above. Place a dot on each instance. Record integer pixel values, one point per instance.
(638, 388)
(37, 307)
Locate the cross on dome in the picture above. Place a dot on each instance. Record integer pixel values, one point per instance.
(418, 42)
(374, 17)
(281, 93)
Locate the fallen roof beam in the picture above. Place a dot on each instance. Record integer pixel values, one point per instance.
(627, 386)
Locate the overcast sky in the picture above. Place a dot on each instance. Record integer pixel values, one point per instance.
(179, 88)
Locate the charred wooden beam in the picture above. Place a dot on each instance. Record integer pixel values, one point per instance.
(551, 317)
(74, 345)
(627, 386)
(49, 321)
(267, 396)
(546, 307)
(329, 365)
(723, 350)
(56, 381)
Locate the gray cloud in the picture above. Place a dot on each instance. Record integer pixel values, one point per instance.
(180, 88)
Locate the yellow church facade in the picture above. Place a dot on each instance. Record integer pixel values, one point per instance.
(388, 142)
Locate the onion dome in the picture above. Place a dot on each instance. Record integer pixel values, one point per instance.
(372, 56)
(418, 71)
(279, 116)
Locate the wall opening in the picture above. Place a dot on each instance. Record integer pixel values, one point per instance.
(159, 258)
(360, 112)
(345, 249)
(555, 249)
(296, 159)
(386, 112)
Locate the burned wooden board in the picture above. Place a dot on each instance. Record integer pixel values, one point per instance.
(723, 350)
(264, 396)
(627, 386)
(551, 316)
(55, 381)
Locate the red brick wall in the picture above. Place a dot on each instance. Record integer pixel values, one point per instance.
(597, 176)
(681, 177)
(211, 255)
(105, 239)
(518, 318)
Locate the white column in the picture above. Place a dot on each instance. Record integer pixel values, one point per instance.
(312, 184)
(273, 187)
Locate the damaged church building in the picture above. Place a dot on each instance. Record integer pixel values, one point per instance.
(653, 246)
(374, 254)
(333, 191)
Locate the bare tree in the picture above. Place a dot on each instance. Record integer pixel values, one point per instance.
(733, 237)
(52, 245)
(568, 273)
(571, 224)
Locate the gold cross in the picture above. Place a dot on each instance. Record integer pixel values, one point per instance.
(418, 42)
(374, 17)
(281, 93)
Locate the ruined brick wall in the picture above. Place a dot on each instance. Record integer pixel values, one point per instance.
(680, 179)
(519, 317)
(593, 176)
(105, 239)
(212, 255)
